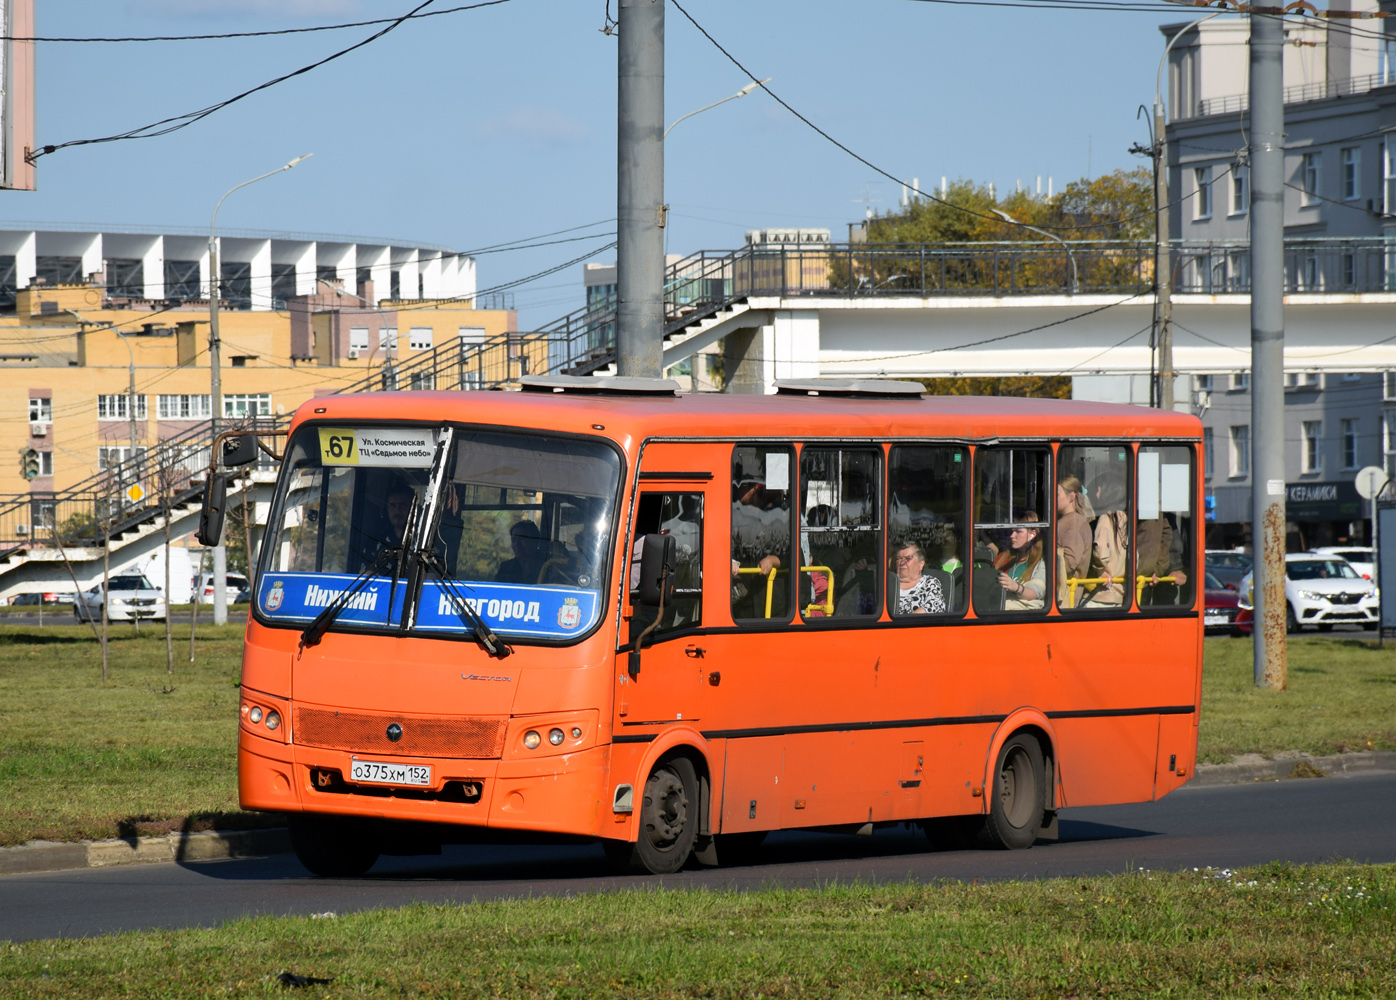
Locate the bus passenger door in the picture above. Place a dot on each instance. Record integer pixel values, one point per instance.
(665, 690)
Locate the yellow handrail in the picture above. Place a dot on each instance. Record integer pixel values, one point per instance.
(827, 607)
(1072, 582)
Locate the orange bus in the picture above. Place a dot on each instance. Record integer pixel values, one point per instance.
(674, 622)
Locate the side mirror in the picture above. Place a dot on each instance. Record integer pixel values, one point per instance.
(215, 504)
(1231, 586)
(658, 556)
(240, 449)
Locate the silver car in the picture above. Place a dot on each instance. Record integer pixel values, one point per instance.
(132, 598)
(1322, 591)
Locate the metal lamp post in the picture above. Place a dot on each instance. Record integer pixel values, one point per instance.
(708, 107)
(220, 552)
(1075, 278)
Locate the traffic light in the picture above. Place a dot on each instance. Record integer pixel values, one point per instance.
(29, 463)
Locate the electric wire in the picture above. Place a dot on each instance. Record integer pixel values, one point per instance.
(173, 124)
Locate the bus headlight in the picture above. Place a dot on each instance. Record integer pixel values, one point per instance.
(555, 737)
(273, 719)
(532, 739)
(255, 715)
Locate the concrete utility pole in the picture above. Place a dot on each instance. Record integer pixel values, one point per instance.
(1268, 347)
(640, 208)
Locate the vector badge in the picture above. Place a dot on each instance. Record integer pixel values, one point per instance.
(570, 614)
(277, 595)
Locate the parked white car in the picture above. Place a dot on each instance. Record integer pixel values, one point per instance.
(236, 583)
(1323, 591)
(1359, 558)
(133, 598)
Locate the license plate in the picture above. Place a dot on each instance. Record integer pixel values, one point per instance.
(1214, 620)
(390, 774)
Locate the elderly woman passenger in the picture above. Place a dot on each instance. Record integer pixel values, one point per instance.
(918, 591)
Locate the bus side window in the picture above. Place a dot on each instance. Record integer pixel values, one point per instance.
(840, 533)
(1093, 528)
(926, 530)
(1167, 549)
(1012, 533)
(761, 542)
(679, 515)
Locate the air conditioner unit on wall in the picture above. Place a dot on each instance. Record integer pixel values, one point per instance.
(38, 430)
(353, 354)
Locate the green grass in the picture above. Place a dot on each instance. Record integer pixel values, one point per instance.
(147, 754)
(1273, 931)
(143, 753)
(1341, 698)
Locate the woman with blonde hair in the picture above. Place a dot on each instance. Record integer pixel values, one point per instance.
(1022, 573)
(1073, 536)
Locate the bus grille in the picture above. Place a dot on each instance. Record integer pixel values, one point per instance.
(358, 732)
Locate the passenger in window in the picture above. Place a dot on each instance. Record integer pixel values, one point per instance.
(530, 553)
(920, 591)
(1074, 539)
(1022, 573)
(1160, 562)
(1110, 547)
(816, 585)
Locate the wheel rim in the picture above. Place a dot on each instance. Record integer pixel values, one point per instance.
(666, 809)
(1016, 788)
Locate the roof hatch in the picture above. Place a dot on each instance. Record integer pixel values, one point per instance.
(618, 385)
(865, 387)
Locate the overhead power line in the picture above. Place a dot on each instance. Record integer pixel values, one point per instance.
(246, 34)
(167, 125)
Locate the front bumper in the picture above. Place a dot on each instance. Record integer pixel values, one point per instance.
(562, 793)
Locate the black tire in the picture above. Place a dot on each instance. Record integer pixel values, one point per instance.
(1017, 795)
(668, 822)
(333, 846)
(1291, 623)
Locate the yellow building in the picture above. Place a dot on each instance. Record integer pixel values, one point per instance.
(69, 353)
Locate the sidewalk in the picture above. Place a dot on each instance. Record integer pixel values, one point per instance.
(216, 845)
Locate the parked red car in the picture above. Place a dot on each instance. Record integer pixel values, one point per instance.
(1220, 613)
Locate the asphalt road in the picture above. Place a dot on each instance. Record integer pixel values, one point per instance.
(1309, 820)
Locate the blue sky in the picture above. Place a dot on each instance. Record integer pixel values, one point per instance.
(476, 128)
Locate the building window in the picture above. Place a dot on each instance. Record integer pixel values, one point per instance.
(1352, 174)
(1388, 175)
(1388, 442)
(1240, 193)
(1241, 451)
(1349, 270)
(183, 407)
(45, 463)
(247, 405)
(40, 411)
(1388, 385)
(114, 407)
(110, 456)
(423, 381)
(387, 338)
(358, 338)
(1312, 457)
(1202, 205)
(419, 339)
(1308, 178)
(1240, 381)
(1349, 444)
(472, 335)
(1208, 459)
(1203, 383)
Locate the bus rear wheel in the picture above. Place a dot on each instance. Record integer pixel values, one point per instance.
(333, 846)
(668, 822)
(1017, 796)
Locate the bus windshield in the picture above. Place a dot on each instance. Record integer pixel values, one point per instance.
(517, 525)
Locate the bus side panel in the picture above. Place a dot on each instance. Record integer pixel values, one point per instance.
(1109, 760)
(1177, 753)
(753, 784)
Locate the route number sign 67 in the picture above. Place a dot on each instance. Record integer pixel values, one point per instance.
(338, 446)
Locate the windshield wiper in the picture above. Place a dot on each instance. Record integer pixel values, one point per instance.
(493, 644)
(316, 630)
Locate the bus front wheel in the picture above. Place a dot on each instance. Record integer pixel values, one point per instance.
(333, 846)
(1017, 795)
(668, 822)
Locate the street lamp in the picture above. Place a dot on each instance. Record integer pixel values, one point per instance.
(1075, 280)
(220, 552)
(741, 93)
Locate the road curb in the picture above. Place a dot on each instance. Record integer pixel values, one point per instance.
(215, 845)
(209, 845)
(1242, 772)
